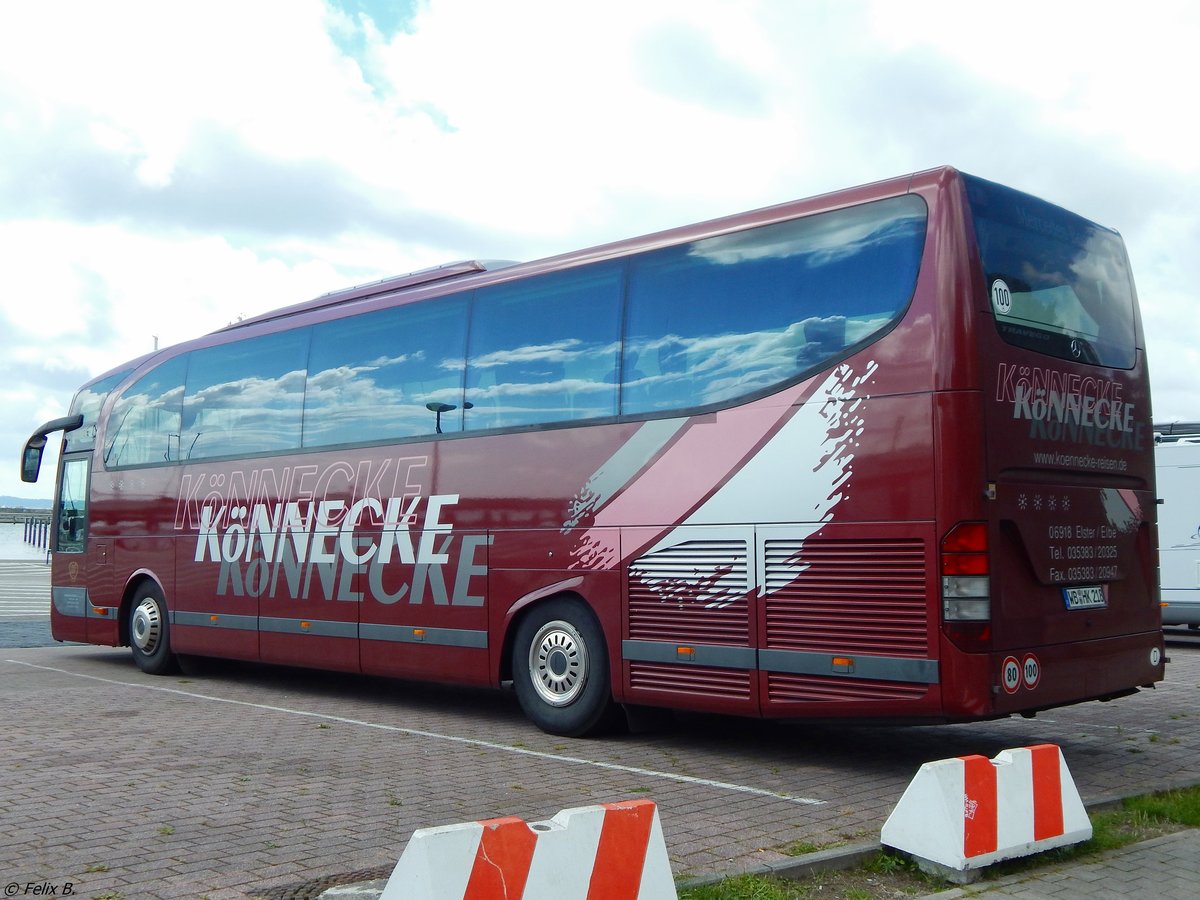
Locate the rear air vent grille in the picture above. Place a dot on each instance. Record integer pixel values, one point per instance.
(695, 591)
(845, 596)
(728, 684)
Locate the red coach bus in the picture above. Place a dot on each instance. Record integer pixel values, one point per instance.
(886, 453)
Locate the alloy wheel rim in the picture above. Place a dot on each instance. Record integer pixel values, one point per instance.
(145, 628)
(558, 663)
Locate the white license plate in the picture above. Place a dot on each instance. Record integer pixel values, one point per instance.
(1088, 597)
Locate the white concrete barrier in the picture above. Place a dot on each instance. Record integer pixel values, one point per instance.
(969, 812)
(614, 851)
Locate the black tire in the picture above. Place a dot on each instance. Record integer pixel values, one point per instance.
(150, 631)
(560, 668)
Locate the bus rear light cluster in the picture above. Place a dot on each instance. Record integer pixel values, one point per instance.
(966, 585)
(966, 599)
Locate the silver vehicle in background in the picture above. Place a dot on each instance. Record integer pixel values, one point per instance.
(1177, 461)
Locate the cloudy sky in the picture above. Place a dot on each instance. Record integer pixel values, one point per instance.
(167, 167)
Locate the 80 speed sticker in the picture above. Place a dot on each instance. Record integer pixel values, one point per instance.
(1010, 675)
(1013, 674)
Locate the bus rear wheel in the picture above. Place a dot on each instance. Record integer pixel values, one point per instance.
(560, 668)
(150, 632)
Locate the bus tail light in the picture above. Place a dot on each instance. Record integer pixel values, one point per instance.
(966, 586)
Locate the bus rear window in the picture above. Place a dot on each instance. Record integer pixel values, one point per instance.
(1056, 282)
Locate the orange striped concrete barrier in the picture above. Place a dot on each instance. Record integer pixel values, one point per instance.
(969, 812)
(613, 851)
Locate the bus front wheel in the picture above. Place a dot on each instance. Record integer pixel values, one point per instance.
(560, 668)
(150, 632)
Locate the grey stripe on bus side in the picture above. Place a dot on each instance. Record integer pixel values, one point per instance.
(877, 668)
(214, 620)
(400, 634)
(857, 665)
(323, 627)
(700, 654)
(415, 634)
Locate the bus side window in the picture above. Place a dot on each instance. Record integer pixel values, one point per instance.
(528, 335)
(394, 373)
(245, 397)
(143, 427)
(751, 310)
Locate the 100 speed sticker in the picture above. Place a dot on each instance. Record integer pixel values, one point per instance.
(1015, 674)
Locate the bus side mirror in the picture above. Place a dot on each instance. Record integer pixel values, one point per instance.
(31, 460)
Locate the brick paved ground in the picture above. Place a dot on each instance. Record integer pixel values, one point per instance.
(1165, 868)
(250, 778)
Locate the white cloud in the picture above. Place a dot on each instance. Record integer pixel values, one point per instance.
(166, 168)
(1101, 70)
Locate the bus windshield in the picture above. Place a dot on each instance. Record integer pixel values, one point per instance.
(87, 403)
(1057, 283)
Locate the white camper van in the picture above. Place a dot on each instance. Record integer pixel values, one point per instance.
(1177, 463)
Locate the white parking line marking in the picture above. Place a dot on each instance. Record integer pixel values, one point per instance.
(433, 735)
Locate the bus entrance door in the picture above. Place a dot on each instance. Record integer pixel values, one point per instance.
(80, 575)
